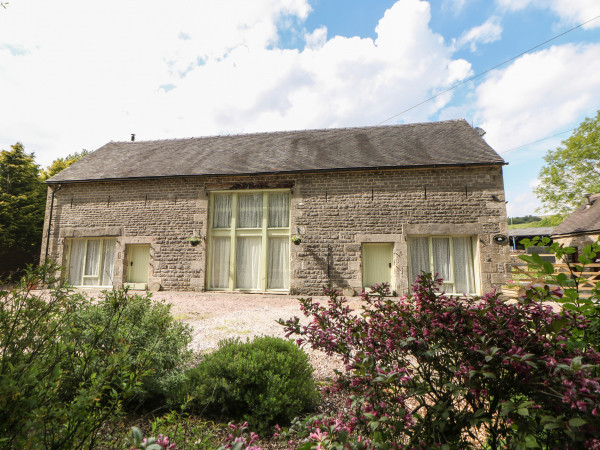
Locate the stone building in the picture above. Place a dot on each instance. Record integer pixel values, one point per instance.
(284, 212)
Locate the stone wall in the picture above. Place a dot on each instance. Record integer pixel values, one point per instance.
(334, 212)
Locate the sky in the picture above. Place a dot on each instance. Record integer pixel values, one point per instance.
(75, 75)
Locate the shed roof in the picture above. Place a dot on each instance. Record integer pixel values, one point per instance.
(522, 232)
(584, 220)
(397, 146)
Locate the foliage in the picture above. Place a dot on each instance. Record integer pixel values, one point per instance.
(153, 335)
(60, 164)
(434, 371)
(188, 431)
(585, 310)
(523, 219)
(572, 170)
(264, 381)
(22, 201)
(240, 438)
(136, 441)
(62, 377)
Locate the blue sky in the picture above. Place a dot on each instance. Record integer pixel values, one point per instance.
(76, 75)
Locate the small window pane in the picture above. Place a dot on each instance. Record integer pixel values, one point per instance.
(279, 263)
(108, 262)
(418, 248)
(464, 273)
(248, 266)
(76, 262)
(219, 275)
(441, 258)
(279, 210)
(92, 257)
(222, 211)
(250, 210)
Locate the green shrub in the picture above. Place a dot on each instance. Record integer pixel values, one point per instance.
(153, 336)
(264, 381)
(68, 364)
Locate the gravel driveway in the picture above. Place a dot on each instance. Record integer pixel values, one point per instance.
(215, 316)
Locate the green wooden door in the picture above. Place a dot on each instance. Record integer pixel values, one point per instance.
(139, 263)
(377, 264)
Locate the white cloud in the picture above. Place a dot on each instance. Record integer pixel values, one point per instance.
(86, 73)
(539, 94)
(572, 12)
(489, 31)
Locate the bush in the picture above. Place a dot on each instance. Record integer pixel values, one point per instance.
(264, 381)
(68, 364)
(153, 337)
(434, 371)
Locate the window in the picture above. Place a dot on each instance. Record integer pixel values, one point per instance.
(452, 257)
(249, 240)
(92, 261)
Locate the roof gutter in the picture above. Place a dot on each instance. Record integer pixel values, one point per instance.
(272, 172)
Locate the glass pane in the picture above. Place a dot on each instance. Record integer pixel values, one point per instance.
(441, 257)
(279, 210)
(108, 262)
(464, 268)
(418, 248)
(219, 273)
(222, 211)
(248, 267)
(92, 257)
(250, 210)
(90, 281)
(76, 262)
(279, 263)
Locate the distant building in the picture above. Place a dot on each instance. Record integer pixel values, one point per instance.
(582, 227)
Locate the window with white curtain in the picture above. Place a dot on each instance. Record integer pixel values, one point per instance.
(249, 240)
(451, 257)
(91, 261)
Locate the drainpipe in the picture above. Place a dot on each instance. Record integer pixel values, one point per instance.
(54, 191)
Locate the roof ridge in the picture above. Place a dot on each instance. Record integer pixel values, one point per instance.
(305, 130)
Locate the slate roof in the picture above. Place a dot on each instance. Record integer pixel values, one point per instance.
(522, 232)
(584, 220)
(415, 145)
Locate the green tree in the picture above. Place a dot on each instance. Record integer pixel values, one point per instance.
(572, 170)
(22, 202)
(62, 163)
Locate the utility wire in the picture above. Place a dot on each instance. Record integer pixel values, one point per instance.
(535, 142)
(486, 71)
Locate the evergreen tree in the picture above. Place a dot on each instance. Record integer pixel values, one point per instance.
(22, 202)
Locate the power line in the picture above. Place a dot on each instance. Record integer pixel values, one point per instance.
(535, 142)
(486, 71)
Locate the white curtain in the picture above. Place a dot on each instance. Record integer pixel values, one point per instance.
(279, 263)
(219, 274)
(250, 210)
(222, 211)
(76, 262)
(92, 257)
(418, 248)
(279, 210)
(248, 262)
(108, 262)
(464, 272)
(442, 260)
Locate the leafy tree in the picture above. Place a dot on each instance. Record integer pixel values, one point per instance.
(22, 201)
(60, 164)
(572, 170)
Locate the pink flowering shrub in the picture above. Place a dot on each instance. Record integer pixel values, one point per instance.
(240, 438)
(433, 371)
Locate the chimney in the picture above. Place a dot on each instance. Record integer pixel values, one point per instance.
(588, 202)
(132, 137)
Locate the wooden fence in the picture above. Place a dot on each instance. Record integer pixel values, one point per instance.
(523, 276)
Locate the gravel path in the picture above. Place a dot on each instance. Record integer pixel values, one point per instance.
(216, 316)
